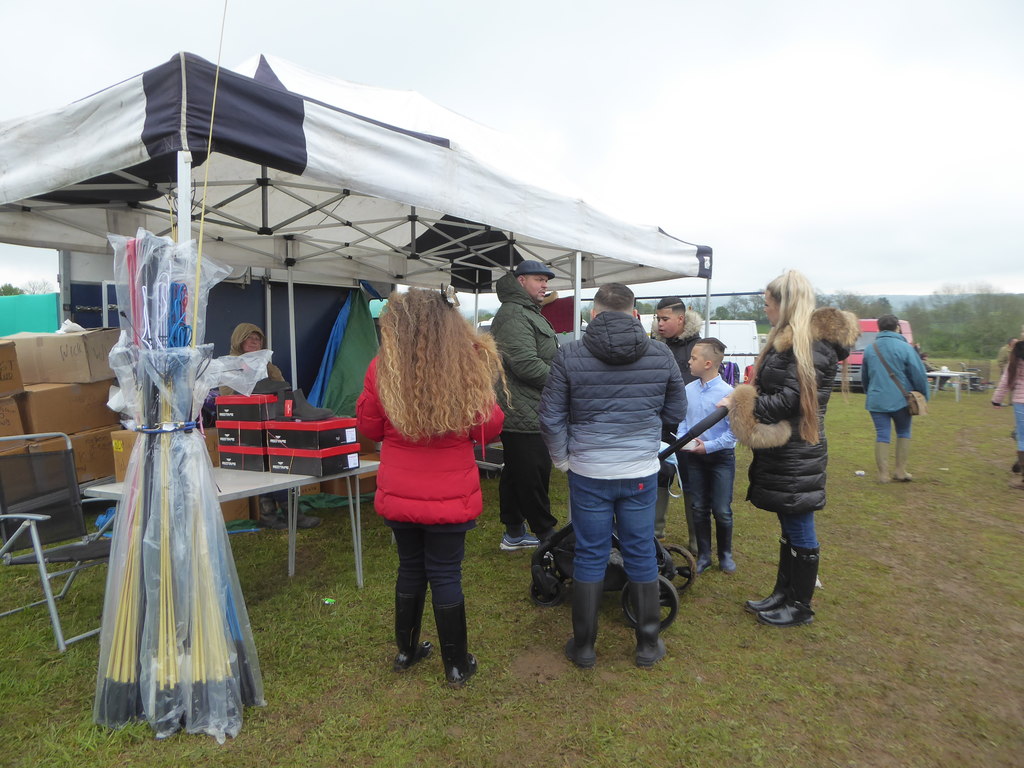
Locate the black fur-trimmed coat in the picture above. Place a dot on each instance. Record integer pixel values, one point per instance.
(787, 474)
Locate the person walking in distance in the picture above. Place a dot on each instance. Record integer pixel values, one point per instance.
(1012, 383)
(527, 343)
(885, 400)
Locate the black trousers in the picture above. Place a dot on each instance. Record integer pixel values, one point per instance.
(434, 556)
(523, 488)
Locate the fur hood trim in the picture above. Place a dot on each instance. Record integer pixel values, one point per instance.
(835, 326)
(693, 324)
(748, 430)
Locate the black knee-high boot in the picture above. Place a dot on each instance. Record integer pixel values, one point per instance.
(723, 535)
(408, 618)
(459, 664)
(797, 608)
(781, 590)
(586, 602)
(650, 648)
(702, 530)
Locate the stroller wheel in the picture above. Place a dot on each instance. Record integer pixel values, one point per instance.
(548, 597)
(669, 600)
(685, 565)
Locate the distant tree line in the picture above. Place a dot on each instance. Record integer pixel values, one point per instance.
(954, 322)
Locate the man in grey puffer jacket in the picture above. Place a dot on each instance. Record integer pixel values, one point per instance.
(601, 416)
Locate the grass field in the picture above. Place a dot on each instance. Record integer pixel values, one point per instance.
(913, 660)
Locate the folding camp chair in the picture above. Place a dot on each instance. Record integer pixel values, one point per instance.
(39, 496)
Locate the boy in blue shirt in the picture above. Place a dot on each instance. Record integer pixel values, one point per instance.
(711, 461)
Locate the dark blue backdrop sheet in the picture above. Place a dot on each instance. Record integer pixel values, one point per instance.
(317, 307)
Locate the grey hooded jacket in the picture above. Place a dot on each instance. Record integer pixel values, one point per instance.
(607, 397)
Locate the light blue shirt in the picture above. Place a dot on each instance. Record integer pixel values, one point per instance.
(700, 402)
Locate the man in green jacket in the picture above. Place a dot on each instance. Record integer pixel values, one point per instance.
(527, 344)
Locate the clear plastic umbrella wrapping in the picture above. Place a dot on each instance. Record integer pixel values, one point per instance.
(176, 646)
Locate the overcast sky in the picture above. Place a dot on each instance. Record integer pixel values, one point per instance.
(878, 146)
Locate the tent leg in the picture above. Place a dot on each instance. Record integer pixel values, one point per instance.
(184, 196)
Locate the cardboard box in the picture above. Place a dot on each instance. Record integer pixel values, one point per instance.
(10, 373)
(123, 440)
(10, 417)
(66, 408)
(311, 435)
(65, 358)
(366, 445)
(93, 459)
(237, 509)
(292, 461)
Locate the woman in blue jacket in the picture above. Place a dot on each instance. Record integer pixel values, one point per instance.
(885, 401)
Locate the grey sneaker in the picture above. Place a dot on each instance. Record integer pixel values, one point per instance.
(510, 543)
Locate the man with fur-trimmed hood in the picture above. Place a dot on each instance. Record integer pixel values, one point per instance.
(679, 328)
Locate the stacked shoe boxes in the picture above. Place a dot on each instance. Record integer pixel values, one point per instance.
(317, 448)
(241, 430)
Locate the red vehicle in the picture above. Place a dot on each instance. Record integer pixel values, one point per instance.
(868, 334)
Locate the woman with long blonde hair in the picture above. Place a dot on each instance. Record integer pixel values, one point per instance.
(429, 395)
(781, 417)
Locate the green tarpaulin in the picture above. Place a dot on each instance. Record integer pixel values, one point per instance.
(36, 312)
(358, 348)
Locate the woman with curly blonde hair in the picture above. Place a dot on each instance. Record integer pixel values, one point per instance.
(428, 397)
(781, 417)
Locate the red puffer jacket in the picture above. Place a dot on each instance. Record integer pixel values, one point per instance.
(431, 482)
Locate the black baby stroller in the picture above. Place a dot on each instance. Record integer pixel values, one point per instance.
(552, 564)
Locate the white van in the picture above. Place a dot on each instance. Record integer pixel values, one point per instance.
(742, 342)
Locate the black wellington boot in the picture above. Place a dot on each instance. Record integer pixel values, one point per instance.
(408, 618)
(459, 664)
(650, 648)
(723, 536)
(781, 590)
(797, 608)
(586, 602)
(702, 530)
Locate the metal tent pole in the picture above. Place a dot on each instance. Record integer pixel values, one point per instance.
(291, 311)
(577, 301)
(707, 310)
(184, 196)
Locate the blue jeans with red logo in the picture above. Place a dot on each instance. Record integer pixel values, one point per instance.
(626, 507)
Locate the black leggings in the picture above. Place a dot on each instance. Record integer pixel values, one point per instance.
(434, 557)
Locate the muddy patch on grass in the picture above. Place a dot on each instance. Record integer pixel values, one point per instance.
(539, 665)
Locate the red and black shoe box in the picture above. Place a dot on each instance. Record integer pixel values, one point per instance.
(245, 407)
(311, 435)
(243, 457)
(326, 461)
(242, 434)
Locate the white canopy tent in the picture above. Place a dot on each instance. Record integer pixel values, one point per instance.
(337, 191)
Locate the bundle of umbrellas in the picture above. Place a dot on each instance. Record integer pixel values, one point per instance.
(176, 647)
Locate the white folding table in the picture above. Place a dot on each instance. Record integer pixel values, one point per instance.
(240, 484)
(955, 376)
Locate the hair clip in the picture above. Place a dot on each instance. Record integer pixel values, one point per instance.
(450, 296)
